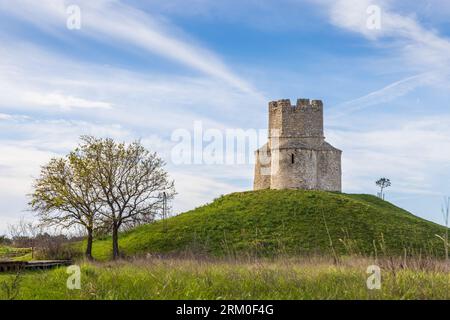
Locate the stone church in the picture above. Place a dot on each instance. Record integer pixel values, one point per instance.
(296, 155)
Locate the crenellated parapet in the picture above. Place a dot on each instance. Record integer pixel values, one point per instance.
(302, 104)
(304, 119)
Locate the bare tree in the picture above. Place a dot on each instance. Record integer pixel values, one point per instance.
(131, 181)
(23, 234)
(65, 196)
(383, 183)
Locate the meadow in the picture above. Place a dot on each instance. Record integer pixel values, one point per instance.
(283, 278)
(268, 244)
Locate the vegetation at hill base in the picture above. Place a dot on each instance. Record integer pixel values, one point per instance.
(15, 254)
(312, 278)
(270, 223)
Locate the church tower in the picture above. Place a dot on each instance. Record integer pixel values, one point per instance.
(296, 155)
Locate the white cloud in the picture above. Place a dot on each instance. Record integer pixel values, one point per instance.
(197, 189)
(413, 154)
(114, 94)
(113, 21)
(421, 47)
(62, 101)
(420, 51)
(4, 116)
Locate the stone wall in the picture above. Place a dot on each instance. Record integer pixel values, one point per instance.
(263, 170)
(306, 169)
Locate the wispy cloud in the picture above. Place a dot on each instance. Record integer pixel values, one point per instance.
(422, 51)
(114, 21)
(383, 95)
(62, 101)
(4, 116)
(137, 98)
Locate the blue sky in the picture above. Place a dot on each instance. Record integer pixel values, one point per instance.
(142, 69)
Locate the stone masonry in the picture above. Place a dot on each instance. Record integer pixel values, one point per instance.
(296, 155)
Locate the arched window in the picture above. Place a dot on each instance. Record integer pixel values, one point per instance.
(292, 158)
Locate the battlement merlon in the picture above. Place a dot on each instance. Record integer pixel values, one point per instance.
(317, 104)
(283, 103)
(303, 103)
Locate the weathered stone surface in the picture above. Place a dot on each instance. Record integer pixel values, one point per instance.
(296, 155)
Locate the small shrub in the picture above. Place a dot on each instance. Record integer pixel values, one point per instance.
(10, 288)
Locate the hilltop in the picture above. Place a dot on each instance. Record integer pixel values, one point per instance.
(289, 222)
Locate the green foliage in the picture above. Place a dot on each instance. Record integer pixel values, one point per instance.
(286, 222)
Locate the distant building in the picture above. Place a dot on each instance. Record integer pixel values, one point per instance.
(296, 155)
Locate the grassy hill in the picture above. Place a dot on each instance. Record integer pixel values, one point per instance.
(291, 222)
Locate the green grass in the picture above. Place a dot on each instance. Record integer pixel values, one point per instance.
(188, 279)
(15, 254)
(286, 222)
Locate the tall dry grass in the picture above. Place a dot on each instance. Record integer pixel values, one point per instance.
(192, 277)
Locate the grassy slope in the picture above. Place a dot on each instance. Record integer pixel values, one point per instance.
(288, 221)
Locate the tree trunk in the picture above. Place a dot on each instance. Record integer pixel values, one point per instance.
(90, 240)
(115, 240)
